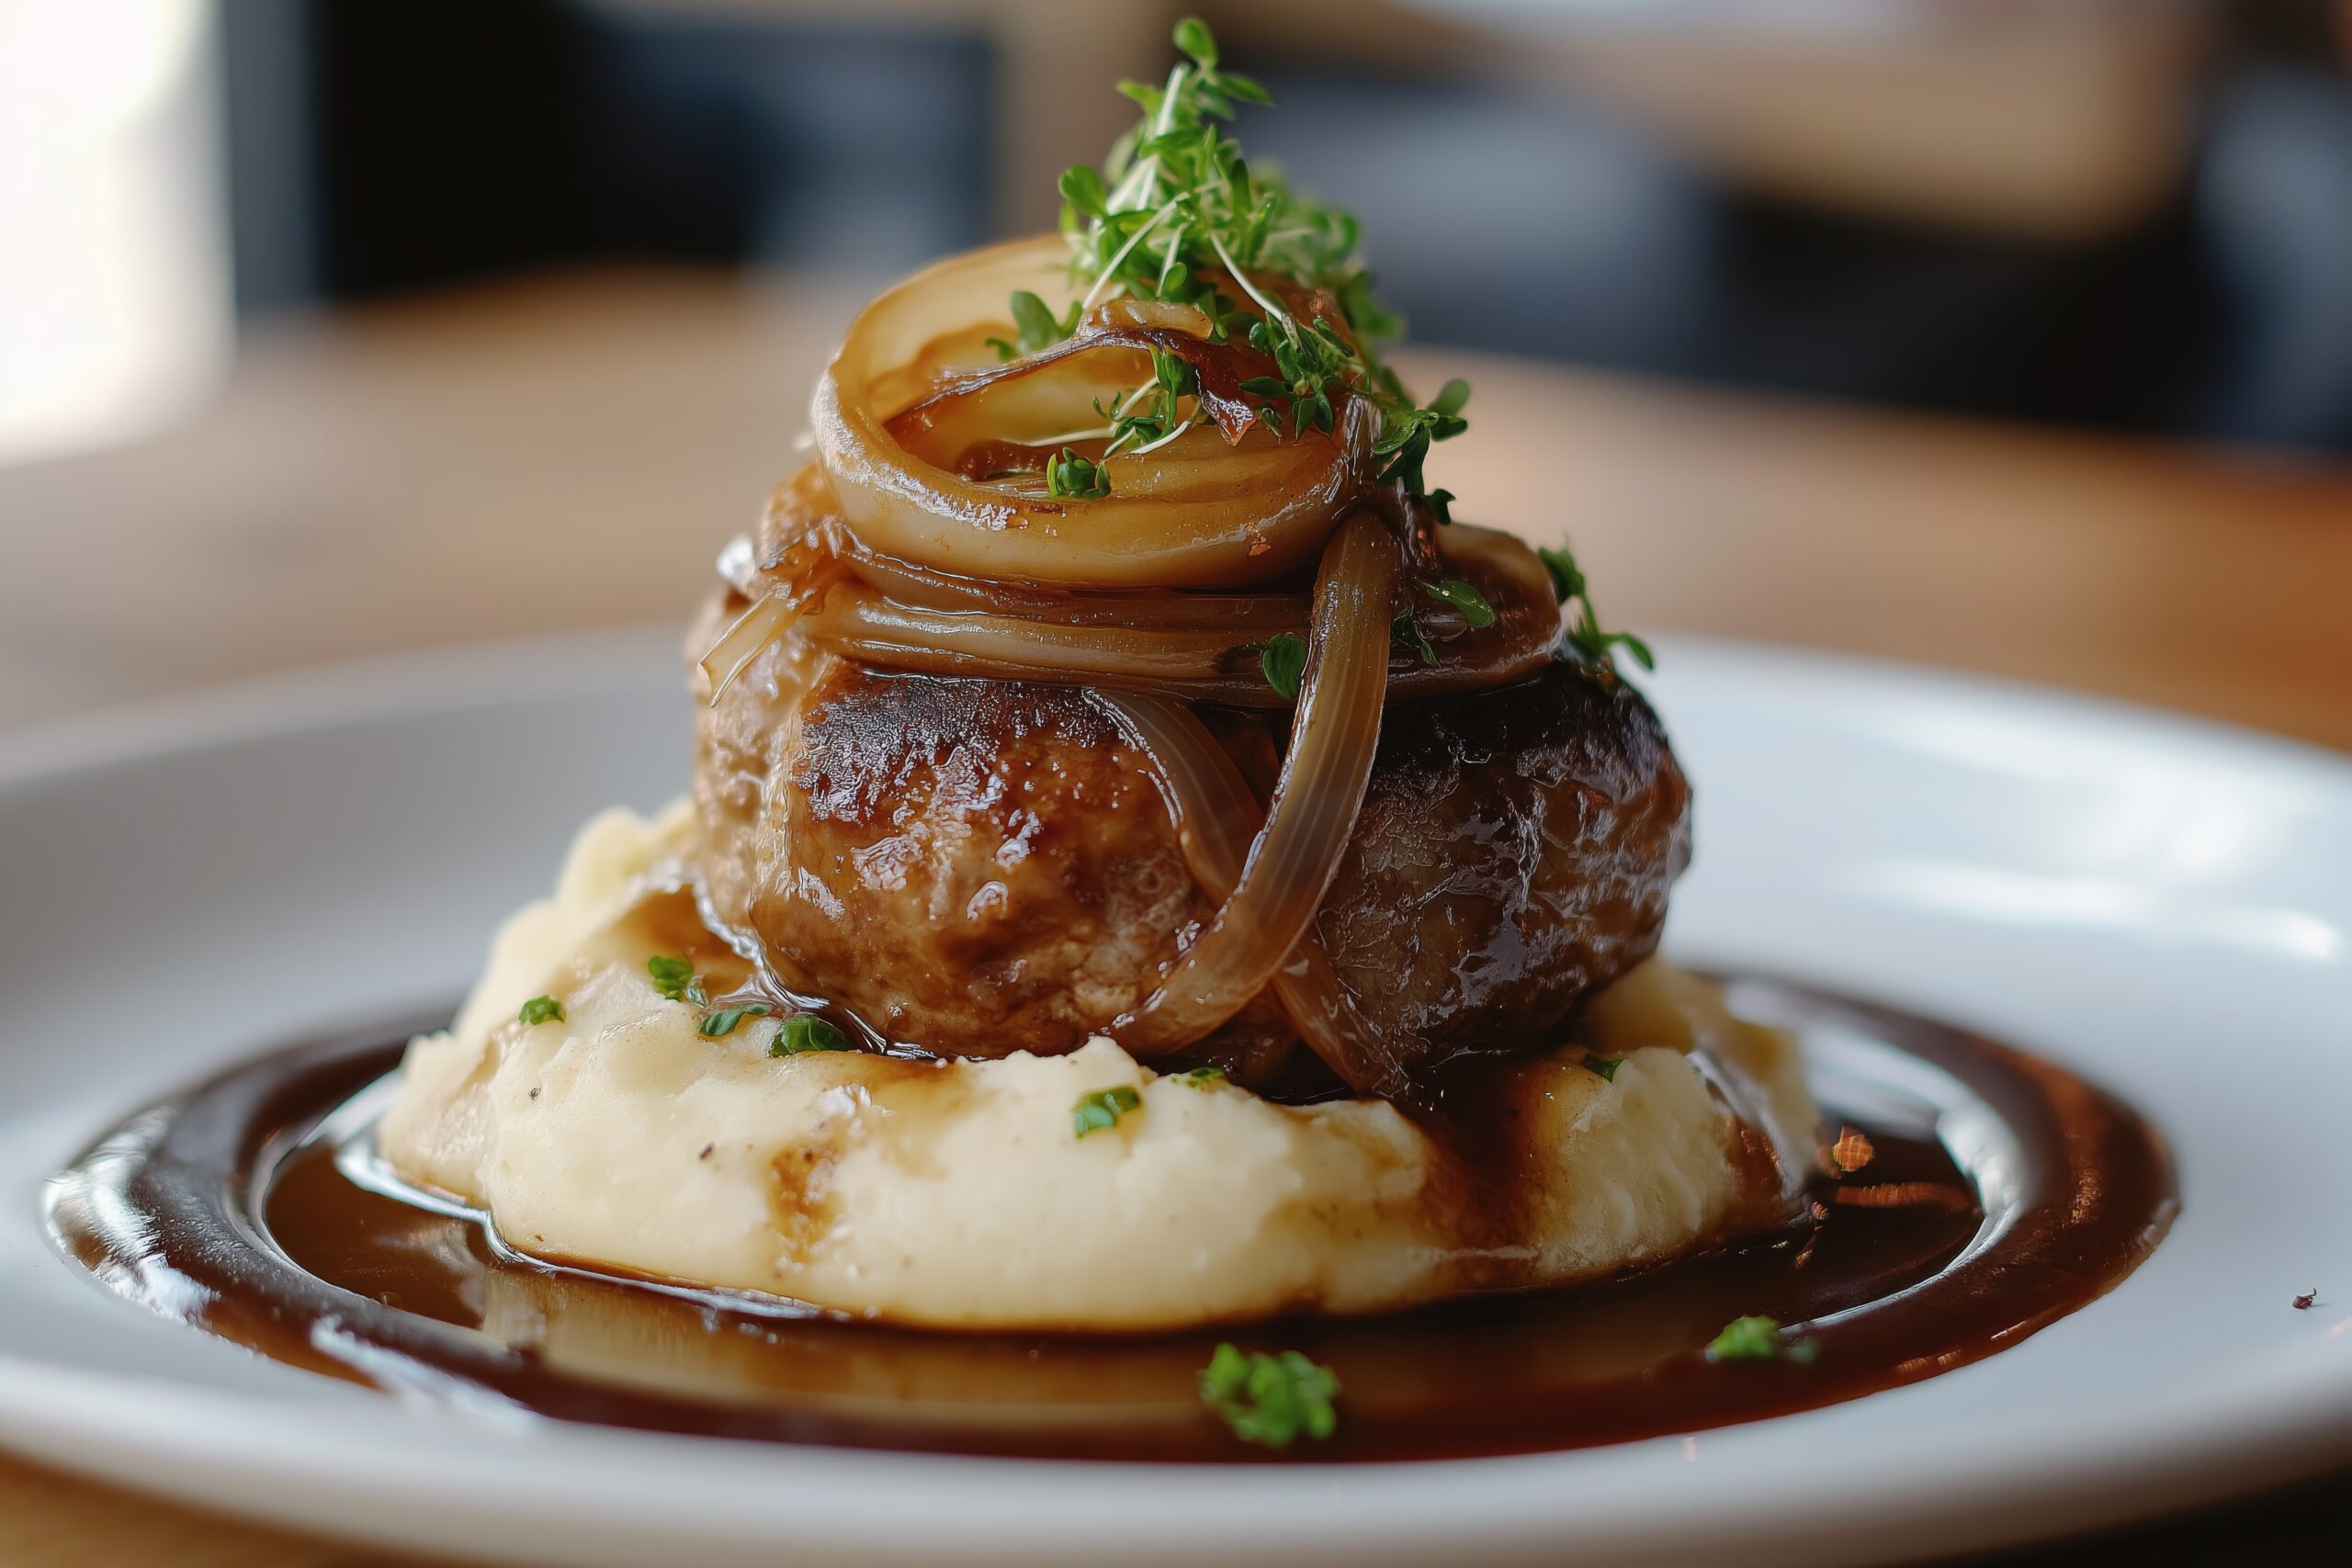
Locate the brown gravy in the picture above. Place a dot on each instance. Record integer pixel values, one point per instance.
(227, 1207)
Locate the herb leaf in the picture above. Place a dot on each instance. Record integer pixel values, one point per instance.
(1202, 1077)
(1284, 662)
(1034, 326)
(1593, 648)
(1568, 581)
(1270, 1400)
(803, 1033)
(1177, 215)
(1465, 598)
(1404, 629)
(1070, 475)
(1094, 1112)
(1605, 1066)
(1082, 188)
(1193, 37)
(1759, 1340)
(675, 978)
(542, 1010)
(724, 1022)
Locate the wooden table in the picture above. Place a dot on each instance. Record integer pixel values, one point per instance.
(562, 453)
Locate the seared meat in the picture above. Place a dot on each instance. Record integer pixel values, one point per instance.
(1513, 854)
(979, 867)
(974, 866)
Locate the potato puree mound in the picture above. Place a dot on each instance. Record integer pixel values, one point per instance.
(960, 1195)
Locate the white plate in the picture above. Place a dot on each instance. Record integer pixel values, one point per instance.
(2164, 906)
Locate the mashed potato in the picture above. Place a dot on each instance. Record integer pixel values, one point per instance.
(961, 1195)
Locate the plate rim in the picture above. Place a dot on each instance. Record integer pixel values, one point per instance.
(2304, 1425)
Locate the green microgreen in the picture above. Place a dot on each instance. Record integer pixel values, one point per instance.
(1270, 1400)
(1463, 597)
(1406, 432)
(1093, 1113)
(1070, 475)
(1034, 326)
(1593, 647)
(675, 978)
(1759, 1339)
(803, 1033)
(1177, 215)
(726, 1020)
(1605, 1066)
(1407, 631)
(1284, 660)
(542, 1010)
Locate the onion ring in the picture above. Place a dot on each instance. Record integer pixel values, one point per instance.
(1217, 820)
(1321, 788)
(1247, 513)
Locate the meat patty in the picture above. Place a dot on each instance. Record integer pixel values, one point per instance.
(979, 867)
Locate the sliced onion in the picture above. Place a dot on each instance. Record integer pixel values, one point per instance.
(1316, 798)
(1217, 820)
(872, 630)
(1244, 616)
(742, 641)
(1199, 646)
(1250, 513)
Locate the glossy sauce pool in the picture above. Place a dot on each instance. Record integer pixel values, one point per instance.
(2002, 1194)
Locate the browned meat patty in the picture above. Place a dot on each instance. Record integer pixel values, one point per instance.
(979, 867)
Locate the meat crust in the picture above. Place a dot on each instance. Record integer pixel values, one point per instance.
(979, 867)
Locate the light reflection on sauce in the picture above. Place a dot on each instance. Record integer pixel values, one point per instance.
(364, 1286)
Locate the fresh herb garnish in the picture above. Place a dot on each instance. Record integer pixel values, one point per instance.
(542, 1010)
(1270, 1400)
(1593, 648)
(1406, 432)
(1102, 1109)
(1070, 475)
(1284, 662)
(1177, 215)
(1034, 326)
(1759, 1339)
(1404, 629)
(675, 978)
(1202, 1077)
(1463, 597)
(1605, 1066)
(726, 1020)
(1154, 414)
(803, 1033)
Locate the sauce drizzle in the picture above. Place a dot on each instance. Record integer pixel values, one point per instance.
(1998, 1193)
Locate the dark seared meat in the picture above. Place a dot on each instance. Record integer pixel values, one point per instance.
(976, 867)
(980, 868)
(1513, 853)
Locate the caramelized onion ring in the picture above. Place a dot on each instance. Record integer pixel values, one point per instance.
(1217, 818)
(1212, 517)
(1320, 790)
(1244, 616)
(1202, 646)
(1199, 646)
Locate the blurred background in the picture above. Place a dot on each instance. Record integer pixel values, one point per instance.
(2126, 214)
(323, 324)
